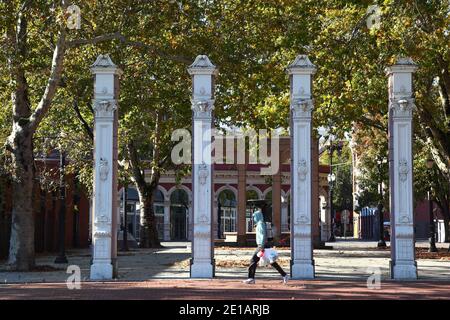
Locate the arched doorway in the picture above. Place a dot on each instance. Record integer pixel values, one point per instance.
(158, 206)
(250, 195)
(227, 213)
(179, 215)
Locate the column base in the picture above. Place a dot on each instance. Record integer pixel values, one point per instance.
(404, 271)
(302, 269)
(101, 271)
(202, 270)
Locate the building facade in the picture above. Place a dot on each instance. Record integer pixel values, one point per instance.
(232, 220)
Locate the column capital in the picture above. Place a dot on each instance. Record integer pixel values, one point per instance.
(202, 108)
(402, 107)
(104, 108)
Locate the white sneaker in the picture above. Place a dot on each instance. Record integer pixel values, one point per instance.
(285, 279)
(249, 281)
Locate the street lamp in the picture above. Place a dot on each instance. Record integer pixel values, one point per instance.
(61, 258)
(430, 163)
(381, 242)
(126, 166)
(331, 178)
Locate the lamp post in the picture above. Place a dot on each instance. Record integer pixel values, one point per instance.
(125, 219)
(126, 165)
(61, 258)
(381, 242)
(331, 179)
(430, 163)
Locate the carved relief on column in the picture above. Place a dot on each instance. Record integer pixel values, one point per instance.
(302, 169)
(302, 107)
(203, 173)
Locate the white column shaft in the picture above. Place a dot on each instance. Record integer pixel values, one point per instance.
(401, 106)
(105, 168)
(202, 71)
(302, 263)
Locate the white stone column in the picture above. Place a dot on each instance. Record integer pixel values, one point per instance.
(401, 106)
(203, 73)
(302, 263)
(104, 235)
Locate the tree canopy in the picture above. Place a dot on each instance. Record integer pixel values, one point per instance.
(46, 86)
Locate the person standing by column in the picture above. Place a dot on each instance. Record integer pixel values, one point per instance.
(261, 241)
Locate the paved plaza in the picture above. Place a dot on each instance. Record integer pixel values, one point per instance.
(348, 260)
(220, 289)
(342, 273)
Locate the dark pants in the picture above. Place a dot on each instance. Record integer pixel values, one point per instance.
(254, 263)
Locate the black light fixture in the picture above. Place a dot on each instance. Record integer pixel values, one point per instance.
(61, 258)
(331, 179)
(381, 243)
(432, 248)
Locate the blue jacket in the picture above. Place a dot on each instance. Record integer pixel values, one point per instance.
(258, 219)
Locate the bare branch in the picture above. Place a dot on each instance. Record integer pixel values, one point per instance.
(124, 40)
(83, 121)
(52, 83)
(372, 123)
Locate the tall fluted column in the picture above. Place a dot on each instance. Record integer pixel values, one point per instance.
(203, 73)
(401, 107)
(302, 263)
(104, 229)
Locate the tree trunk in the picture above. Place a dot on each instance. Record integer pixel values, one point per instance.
(21, 250)
(20, 141)
(148, 231)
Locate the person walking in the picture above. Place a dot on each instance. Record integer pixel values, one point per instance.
(261, 239)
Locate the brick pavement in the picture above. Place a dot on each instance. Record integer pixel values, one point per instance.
(229, 290)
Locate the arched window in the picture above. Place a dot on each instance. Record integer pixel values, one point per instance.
(179, 202)
(158, 207)
(132, 208)
(179, 198)
(227, 212)
(250, 195)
